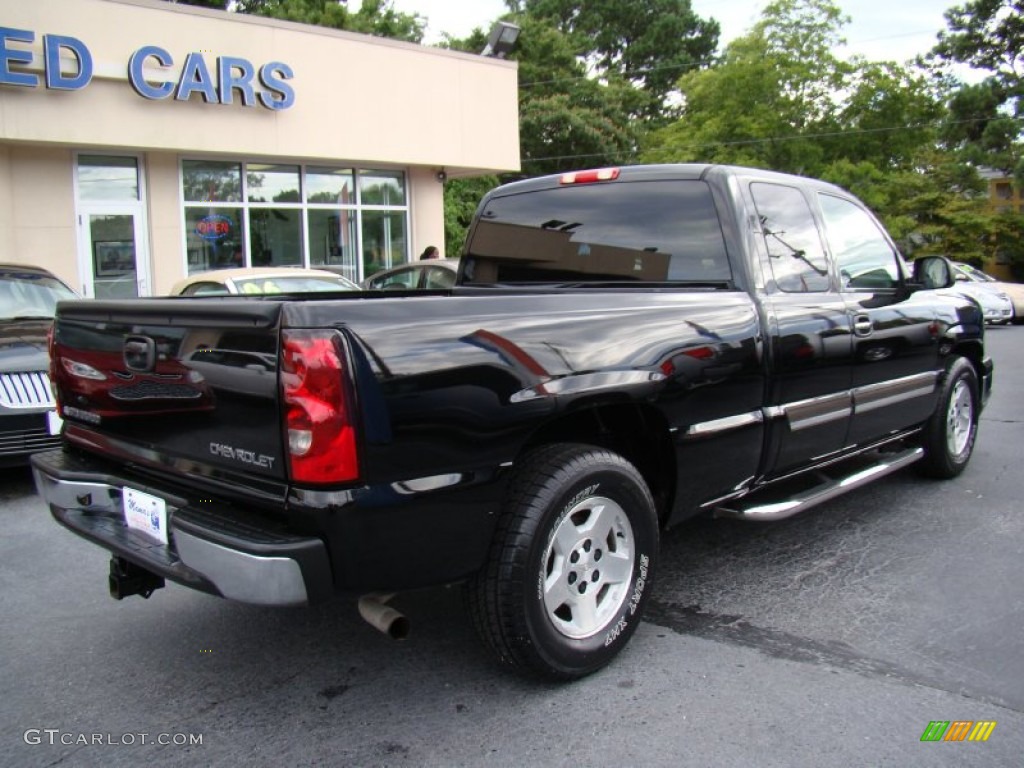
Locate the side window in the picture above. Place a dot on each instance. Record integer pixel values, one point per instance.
(865, 258)
(439, 277)
(794, 245)
(206, 289)
(399, 280)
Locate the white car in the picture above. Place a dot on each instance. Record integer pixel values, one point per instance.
(1014, 290)
(261, 280)
(995, 304)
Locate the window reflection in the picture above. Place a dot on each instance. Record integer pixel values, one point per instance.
(275, 239)
(791, 237)
(107, 177)
(865, 258)
(213, 238)
(332, 240)
(327, 185)
(351, 229)
(645, 230)
(383, 240)
(211, 181)
(382, 188)
(272, 183)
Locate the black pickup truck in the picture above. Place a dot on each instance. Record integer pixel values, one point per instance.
(624, 348)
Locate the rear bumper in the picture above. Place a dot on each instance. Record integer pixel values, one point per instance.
(206, 550)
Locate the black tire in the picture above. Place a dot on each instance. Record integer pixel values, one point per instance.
(949, 435)
(571, 511)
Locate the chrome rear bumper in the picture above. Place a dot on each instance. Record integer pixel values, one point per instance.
(205, 551)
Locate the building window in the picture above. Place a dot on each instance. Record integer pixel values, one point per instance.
(353, 221)
(1004, 190)
(107, 177)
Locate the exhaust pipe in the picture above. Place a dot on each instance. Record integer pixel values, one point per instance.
(382, 617)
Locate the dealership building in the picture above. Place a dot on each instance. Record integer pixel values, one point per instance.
(142, 141)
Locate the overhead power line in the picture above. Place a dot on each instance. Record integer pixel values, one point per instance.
(769, 140)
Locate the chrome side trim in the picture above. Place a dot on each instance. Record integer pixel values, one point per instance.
(804, 414)
(241, 576)
(715, 426)
(886, 393)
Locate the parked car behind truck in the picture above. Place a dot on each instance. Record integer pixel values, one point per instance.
(624, 349)
(1014, 292)
(28, 418)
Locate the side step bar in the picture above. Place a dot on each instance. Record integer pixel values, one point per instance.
(827, 488)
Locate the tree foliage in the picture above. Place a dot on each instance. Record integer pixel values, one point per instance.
(986, 118)
(782, 99)
(646, 43)
(461, 197)
(374, 17)
(770, 99)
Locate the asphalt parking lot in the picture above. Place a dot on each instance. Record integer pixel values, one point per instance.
(830, 639)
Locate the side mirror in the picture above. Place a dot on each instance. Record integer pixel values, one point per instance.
(933, 272)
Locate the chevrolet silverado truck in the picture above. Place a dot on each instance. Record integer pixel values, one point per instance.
(624, 348)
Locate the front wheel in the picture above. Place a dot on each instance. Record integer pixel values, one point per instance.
(950, 432)
(571, 564)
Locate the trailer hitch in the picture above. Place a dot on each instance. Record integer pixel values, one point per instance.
(127, 579)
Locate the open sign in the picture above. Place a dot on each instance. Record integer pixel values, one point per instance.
(213, 228)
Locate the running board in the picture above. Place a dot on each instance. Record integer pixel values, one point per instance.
(828, 487)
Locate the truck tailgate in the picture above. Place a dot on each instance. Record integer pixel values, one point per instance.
(184, 385)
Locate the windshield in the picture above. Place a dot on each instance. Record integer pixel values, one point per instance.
(976, 274)
(30, 295)
(612, 232)
(293, 284)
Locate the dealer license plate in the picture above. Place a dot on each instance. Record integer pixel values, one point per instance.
(146, 513)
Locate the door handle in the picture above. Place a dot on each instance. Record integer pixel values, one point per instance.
(862, 325)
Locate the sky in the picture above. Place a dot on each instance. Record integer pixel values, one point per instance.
(880, 29)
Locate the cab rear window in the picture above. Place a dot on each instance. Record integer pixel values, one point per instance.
(640, 231)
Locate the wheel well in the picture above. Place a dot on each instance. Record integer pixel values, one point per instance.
(637, 433)
(973, 352)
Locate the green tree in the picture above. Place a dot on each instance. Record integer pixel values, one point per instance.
(374, 17)
(985, 118)
(646, 43)
(461, 197)
(781, 99)
(770, 98)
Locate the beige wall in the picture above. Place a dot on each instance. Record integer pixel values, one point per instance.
(37, 209)
(427, 200)
(164, 213)
(357, 98)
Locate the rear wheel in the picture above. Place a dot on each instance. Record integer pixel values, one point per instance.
(950, 433)
(571, 563)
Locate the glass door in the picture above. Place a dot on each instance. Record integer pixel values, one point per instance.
(115, 268)
(113, 257)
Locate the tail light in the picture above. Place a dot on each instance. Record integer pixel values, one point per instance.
(318, 414)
